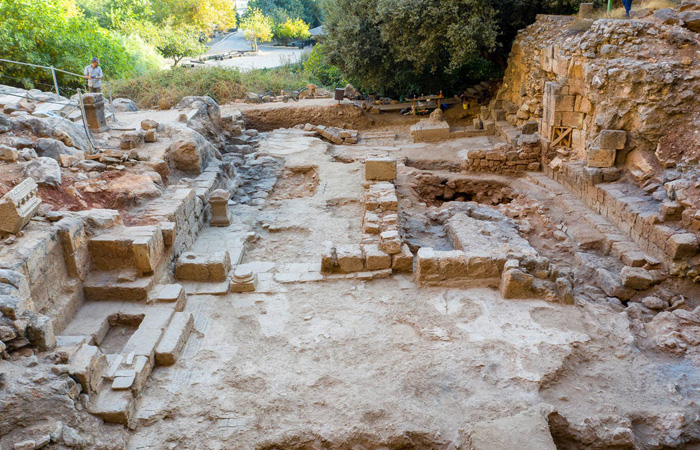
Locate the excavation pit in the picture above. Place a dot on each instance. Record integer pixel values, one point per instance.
(436, 189)
(119, 332)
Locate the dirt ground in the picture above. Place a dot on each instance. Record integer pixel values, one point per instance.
(386, 364)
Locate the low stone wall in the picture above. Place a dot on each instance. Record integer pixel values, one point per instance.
(629, 211)
(503, 158)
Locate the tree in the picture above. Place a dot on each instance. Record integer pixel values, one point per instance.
(399, 47)
(178, 43)
(292, 29)
(257, 27)
(282, 10)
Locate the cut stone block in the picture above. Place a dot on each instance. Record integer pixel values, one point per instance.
(516, 284)
(380, 169)
(168, 230)
(375, 259)
(390, 242)
(329, 258)
(174, 339)
(350, 258)
(143, 342)
(147, 250)
(113, 406)
(18, 206)
(211, 267)
(599, 157)
(636, 278)
(613, 139)
(173, 293)
(86, 367)
(403, 261)
(220, 214)
(612, 286)
(682, 245)
(125, 381)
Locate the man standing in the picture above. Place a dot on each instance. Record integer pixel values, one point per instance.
(628, 6)
(93, 73)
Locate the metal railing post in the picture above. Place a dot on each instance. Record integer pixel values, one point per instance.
(111, 103)
(55, 81)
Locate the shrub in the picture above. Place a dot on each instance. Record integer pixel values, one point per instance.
(320, 70)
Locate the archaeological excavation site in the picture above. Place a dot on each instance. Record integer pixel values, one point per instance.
(521, 273)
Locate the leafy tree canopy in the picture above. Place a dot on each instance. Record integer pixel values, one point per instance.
(282, 10)
(403, 47)
(257, 27)
(54, 32)
(292, 29)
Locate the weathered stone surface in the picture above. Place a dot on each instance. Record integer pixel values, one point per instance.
(212, 267)
(174, 338)
(350, 258)
(691, 20)
(528, 430)
(51, 148)
(682, 245)
(636, 278)
(191, 152)
(612, 286)
(45, 171)
(599, 157)
(516, 284)
(124, 105)
(8, 154)
(380, 169)
(375, 259)
(613, 139)
(18, 206)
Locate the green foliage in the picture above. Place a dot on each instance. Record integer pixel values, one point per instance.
(399, 47)
(144, 57)
(320, 70)
(282, 10)
(177, 43)
(291, 29)
(257, 26)
(47, 32)
(221, 83)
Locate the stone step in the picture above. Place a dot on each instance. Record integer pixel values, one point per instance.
(128, 247)
(113, 406)
(107, 285)
(174, 338)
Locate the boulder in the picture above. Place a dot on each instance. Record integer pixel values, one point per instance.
(51, 148)
(191, 152)
(640, 164)
(124, 105)
(5, 124)
(667, 16)
(45, 171)
(71, 134)
(636, 278)
(8, 154)
(691, 20)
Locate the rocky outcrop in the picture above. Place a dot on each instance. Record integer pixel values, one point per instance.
(57, 128)
(45, 171)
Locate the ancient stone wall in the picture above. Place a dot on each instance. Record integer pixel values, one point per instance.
(631, 75)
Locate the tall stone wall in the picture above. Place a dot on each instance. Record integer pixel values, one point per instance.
(634, 75)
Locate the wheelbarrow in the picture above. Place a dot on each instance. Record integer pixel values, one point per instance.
(291, 94)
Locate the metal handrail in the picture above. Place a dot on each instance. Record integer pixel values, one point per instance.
(55, 81)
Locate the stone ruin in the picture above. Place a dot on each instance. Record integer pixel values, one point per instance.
(194, 283)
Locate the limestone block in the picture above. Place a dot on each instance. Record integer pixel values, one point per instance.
(516, 284)
(150, 135)
(143, 342)
(682, 245)
(149, 124)
(18, 206)
(174, 339)
(380, 169)
(169, 231)
(636, 278)
(173, 293)
(390, 242)
(671, 210)
(376, 259)
(528, 430)
(147, 249)
(350, 258)
(598, 157)
(86, 367)
(530, 128)
(403, 261)
(243, 280)
(428, 130)
(210, 267)
(220, 214)
(113, 406)
(8, 154)
(131, 140)
(94, 106)
(611, 285)
(388, 202)
(612, 139)
(329, 258)
(427, 264)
